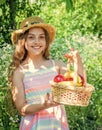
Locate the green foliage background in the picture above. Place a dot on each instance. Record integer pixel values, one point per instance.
(81, 25)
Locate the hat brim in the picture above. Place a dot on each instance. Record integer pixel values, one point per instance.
(49, 28)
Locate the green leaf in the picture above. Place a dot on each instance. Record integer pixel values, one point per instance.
(2, 2)
(69, 5)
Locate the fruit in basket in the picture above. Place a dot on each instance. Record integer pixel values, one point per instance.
(79, 82)
(59, 78)
(67, 83)
(68, 79)
(69, 75)
(82, 80)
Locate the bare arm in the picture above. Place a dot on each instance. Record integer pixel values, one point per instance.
(80, 68)
(19, 97)
(60, 66)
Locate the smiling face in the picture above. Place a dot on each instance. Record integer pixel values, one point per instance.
(35, 42)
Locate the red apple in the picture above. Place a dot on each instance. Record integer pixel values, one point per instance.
(82, 80)
(59, 78)
(69, 79)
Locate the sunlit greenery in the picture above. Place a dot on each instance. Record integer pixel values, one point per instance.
(81, 25)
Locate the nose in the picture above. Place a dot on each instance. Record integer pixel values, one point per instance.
(36, 41)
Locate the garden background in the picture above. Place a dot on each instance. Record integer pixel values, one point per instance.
(78, 21)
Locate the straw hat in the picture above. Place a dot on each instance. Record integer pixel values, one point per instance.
(33, 22)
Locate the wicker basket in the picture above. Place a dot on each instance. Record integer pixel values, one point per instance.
(71, 95)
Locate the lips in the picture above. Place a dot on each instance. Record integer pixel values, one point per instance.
(36, 47)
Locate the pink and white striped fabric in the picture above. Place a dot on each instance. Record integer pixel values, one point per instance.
(36, 85)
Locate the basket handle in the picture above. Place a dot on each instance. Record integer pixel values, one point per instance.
(74, 62)
(71, 61)
(75, 72)
(75, 68)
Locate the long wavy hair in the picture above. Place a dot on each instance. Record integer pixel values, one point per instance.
(20, 55)
(20, 52)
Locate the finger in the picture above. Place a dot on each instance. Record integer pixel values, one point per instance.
(71, 49)
(47, 97)
(56, 103)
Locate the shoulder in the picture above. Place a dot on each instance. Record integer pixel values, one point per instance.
(61, 66)
(59, 63)
(18, 73)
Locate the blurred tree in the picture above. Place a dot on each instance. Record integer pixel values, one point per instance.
(85, 15)
(11, 12)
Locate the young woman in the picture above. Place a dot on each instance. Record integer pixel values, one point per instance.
(32, 72)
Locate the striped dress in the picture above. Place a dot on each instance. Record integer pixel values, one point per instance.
(36, 85)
